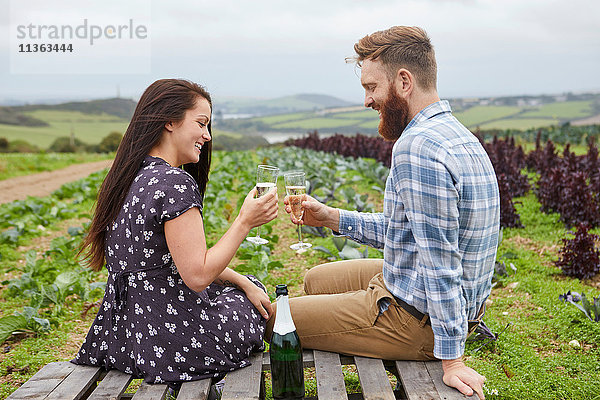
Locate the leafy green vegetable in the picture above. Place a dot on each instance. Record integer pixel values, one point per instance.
(590, 310)
(27, 321)
(346, 249)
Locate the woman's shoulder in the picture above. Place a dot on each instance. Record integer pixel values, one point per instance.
(156, 171)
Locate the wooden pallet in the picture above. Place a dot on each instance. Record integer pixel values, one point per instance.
(420, 380)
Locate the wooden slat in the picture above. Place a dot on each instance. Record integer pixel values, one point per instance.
(244, 383)
(196, 390)
(373, 379)
(416, 380)
(44, 381)
(150, 392)
(330, 380)
(112, 386)
(74, 386)
(446, 393)
(421, 380)
(308, 360)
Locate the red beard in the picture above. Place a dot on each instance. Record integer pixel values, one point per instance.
(394, 116)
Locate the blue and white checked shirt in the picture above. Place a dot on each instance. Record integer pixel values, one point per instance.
(439, 227)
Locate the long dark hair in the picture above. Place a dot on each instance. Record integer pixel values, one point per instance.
(164, 101)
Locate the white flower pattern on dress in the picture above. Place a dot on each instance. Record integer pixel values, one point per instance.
(170, 309)
(158, 351)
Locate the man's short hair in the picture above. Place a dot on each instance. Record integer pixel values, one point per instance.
(401, 47)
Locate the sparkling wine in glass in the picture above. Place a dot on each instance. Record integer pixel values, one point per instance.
(266, 178)
(295, 188)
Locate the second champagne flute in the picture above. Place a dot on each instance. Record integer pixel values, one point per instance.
(266, 178)
(295, 187)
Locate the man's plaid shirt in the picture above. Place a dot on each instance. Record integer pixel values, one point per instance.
(439, 227)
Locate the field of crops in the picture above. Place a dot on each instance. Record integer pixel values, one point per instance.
(18, 164)
(532, 353)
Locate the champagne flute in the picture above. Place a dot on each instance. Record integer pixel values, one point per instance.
(295, 187)
(266, 178)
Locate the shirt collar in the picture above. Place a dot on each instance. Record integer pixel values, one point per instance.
(152, 159)
(428, 112)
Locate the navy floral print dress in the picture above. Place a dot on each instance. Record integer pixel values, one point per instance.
(150, 324)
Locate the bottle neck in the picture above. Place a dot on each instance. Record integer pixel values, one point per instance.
(283, 319)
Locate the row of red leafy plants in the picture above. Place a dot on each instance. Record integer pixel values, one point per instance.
(561, 134)
(566, 184)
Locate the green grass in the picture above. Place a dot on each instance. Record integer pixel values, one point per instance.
(535, 348)
(18, 164)
(71, 116)
(87, 131)
(281, 118)
(366, 114)
(89, 128)
(290, 102)
(323, 120)
(564, 110)
(477, 115)
(520, 123)
(317, 123)
(218, 133)
(370, 124)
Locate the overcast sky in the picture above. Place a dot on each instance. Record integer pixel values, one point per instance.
(269, 48)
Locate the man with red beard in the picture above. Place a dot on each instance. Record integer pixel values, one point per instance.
(438, 229)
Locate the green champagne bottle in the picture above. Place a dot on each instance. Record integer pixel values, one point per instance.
(285, 352)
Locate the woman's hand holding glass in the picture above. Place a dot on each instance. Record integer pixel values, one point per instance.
(266, 178)
(257, 211)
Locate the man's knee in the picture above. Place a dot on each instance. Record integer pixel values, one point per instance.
(308, 280)
(313, 280)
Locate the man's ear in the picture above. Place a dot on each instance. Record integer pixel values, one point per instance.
(405, 82)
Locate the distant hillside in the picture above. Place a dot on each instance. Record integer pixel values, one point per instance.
(122, 108)
(323, 100)
(91, 121)
(520, 113)
(9, 116)
(279, 105)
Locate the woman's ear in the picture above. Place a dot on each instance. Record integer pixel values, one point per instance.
(169, 126)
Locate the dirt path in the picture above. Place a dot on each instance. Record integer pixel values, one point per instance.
(44, 183)
(587, 121)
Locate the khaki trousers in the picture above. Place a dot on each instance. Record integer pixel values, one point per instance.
(341, 314)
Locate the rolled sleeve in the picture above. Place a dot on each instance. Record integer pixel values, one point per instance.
(364, 228)
(448, 348)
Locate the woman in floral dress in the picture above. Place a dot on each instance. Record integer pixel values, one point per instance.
(172, 311)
